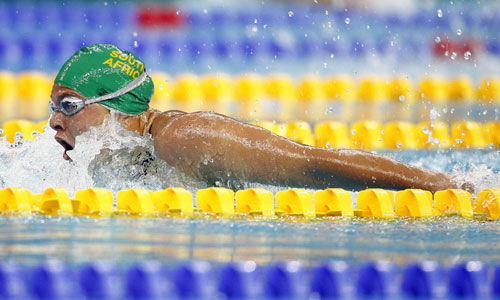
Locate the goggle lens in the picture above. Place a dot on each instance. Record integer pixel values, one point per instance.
(68, 106)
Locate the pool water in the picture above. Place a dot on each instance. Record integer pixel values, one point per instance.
(39, 164)
(115, 159)
(84, 239)
(414, 40)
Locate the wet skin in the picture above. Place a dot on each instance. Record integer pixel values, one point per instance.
(68, 128)
(213, 147)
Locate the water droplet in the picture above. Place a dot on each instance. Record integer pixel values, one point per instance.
(134, 34)
(326, 12)
(328, 145)
(178, 12)
(105, 3)
(401, 98)
(353, 131)
(425, 130)
(347, 20)
(453, 55)
(446, 53)
(205, 11)
(325, 65)
(437, 39)
(368, 27)
(332, 55)
(136, 44)
(440, 13)
(467, 55)
(459, 31)
(290, 13)
(399, 145)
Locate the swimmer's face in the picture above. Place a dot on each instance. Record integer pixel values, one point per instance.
(69, 127)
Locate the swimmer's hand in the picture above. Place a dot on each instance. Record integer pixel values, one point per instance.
(469, 187)
(460, 183)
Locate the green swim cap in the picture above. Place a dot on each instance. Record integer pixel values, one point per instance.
(99, 69)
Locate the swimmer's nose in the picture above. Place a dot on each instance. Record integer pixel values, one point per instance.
(57, 121)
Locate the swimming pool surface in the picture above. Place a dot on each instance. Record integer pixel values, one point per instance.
(122, 239)
(82, 239)
(429, 61)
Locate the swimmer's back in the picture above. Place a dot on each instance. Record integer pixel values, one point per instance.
(150, 121)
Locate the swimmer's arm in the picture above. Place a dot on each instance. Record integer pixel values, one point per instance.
(214, 147)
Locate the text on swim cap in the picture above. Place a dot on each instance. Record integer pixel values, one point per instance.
(129, 65)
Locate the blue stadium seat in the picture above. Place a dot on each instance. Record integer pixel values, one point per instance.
(493, 47)
(199, 48)
(252, 48)
(226, 48)
(281, 49)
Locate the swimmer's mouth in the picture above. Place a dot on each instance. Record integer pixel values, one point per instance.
(67, 147)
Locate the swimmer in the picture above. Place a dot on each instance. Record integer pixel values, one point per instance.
(101, 79)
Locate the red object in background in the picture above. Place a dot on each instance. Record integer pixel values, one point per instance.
(446, 47)
(160, 16)
(472, 46)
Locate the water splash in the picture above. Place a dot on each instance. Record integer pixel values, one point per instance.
(106, 156)
(479, 175)
(111, 157)
(481, 168)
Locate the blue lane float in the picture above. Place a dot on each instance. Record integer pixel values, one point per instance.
(47, 33)
(247, 280)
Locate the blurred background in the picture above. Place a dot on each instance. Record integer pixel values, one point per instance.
(277, 61)
(377, 75)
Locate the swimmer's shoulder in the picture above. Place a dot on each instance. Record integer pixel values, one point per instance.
(161, 120)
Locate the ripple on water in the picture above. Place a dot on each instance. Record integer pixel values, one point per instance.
(109, 156)
(127, 239)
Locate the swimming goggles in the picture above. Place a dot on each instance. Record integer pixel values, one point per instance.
(73, 105)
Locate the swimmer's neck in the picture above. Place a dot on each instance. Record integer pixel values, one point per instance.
(150, 121)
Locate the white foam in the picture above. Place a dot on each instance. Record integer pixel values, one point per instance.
(106, 156)
(109, 156)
